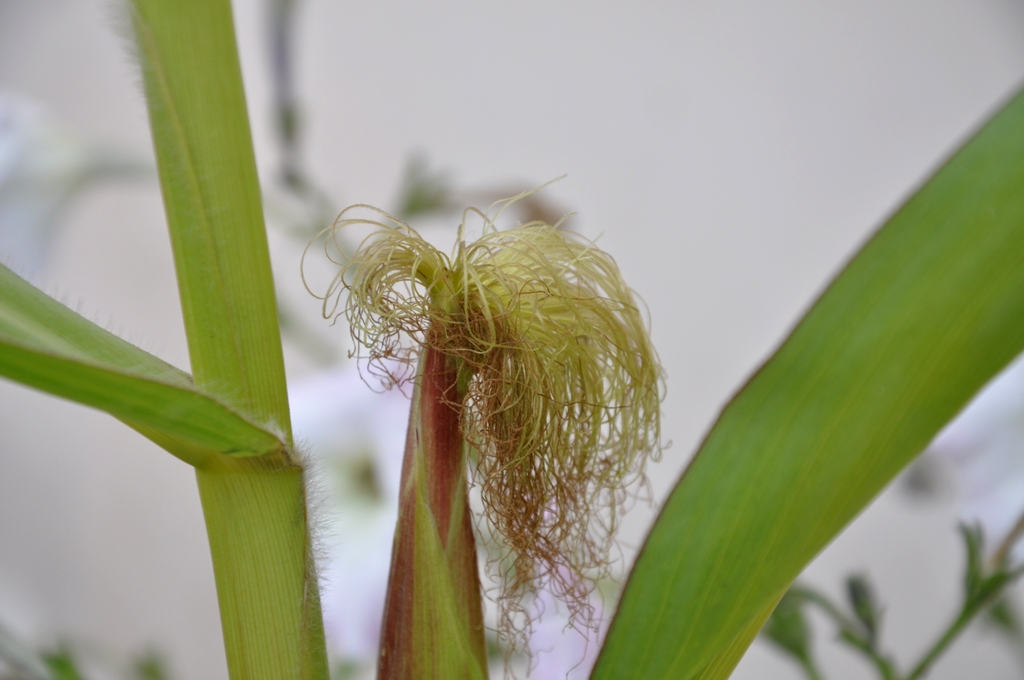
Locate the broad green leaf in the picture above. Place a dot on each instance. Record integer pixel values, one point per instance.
(727, 659)
(929, 310)
(47, 346)
(212, 197)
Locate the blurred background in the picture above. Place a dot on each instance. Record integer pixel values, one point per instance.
(731, 155)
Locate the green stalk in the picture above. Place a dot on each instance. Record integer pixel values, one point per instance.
(433, 617)
(933, 653)
(254, 508)
(256, 518)
(212, 197)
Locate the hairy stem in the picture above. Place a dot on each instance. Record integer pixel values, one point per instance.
(254, 507)
(256, 520)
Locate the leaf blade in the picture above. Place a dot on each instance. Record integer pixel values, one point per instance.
(916, 323)
(47, 346)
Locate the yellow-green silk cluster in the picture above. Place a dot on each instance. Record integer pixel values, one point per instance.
(560, 384)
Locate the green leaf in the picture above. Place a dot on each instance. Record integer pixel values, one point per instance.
(150, 666)
(62, 665)
(861, 595)
(45, 345)
(926, 313)
(974, 570)
(787, 627)
(445, 643)
(727, 659)
(212, 197)
(423, 190)
(1003, 617)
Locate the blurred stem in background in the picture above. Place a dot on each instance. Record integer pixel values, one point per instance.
(292, 174)
(984, 588)
(44, 167)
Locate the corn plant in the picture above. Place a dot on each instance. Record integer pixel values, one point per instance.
(920, 318)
